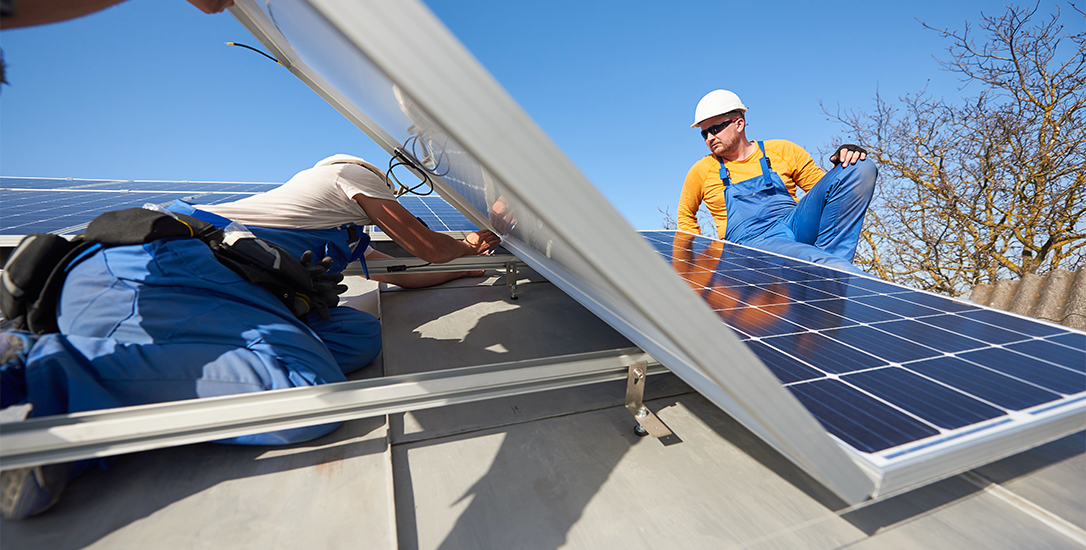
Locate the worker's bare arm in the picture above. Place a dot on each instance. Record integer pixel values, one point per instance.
(417, 280)
(416, 238)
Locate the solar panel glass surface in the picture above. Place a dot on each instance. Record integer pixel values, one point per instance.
(65, 206)
(881, 366)
(437, 214)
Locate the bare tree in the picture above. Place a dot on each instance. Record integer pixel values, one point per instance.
(705, 221)
(994, 186)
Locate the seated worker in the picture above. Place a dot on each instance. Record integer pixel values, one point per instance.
(166, 320)
(749, 188)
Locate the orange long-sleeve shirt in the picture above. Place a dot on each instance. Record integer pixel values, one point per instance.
(703, 184)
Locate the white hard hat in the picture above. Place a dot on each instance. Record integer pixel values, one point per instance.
(716, 102)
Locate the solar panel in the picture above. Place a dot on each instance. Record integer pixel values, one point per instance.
(65, 206)
(437, 214)
(887, 370)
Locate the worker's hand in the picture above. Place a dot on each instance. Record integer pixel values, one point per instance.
(480, 241)
(848, 154)
(501, 216)
(212, 6)
(326, 286)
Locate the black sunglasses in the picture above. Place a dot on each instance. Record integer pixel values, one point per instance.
(716, 128)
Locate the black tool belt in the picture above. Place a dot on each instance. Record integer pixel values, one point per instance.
(35, 272)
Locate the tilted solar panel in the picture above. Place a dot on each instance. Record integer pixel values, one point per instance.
(397, 73)
(889, 371)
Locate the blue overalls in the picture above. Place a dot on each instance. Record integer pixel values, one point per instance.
(823, 227)
(166, 321)
(353, 337)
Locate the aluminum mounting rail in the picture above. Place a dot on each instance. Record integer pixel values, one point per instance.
(415, 265)
(91, 434)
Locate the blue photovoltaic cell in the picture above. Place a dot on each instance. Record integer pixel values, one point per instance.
(856, 311)
(437, 214)
(1053, 353)
(808, 316)
(41, 205)
(897, 305)
(938, 302)
(930, 401)
(974, 329)
(837, 288)
(1046, 375)
(785, 368)
(942, 340)
(1017, 324)
(882, 344)
(823, 353)
(861, 421)
(1075, 341)
(879, 365)
(1002, 391)
(757, 322)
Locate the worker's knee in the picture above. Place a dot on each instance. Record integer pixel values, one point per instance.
(862, 175)
(353, 337)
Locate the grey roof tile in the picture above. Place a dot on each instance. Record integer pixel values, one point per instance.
(1059, 296)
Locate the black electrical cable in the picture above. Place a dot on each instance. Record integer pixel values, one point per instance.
(399, 268)
(407, 157)
(416, 141)
(255, 50)
(401, 159)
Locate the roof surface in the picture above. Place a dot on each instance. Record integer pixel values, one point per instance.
(558, 469)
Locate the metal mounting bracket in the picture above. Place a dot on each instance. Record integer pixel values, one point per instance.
(647, 423)
(511, 278)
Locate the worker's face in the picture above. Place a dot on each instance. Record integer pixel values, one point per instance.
(727, 140)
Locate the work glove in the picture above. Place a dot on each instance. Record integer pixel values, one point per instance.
(836, 158)
(326, 286)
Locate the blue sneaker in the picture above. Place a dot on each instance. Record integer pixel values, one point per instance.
(31, 491)
(14, 348)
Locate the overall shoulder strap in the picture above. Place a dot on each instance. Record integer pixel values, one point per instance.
(766, 164)
(725, 176)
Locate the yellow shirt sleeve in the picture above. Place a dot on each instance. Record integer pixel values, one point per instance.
(797, 167)
(702, 185)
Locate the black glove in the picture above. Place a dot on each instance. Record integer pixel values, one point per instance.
(836, 158)
(326, 287)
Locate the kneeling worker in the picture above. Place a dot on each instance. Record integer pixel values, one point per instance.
(749, 188)
(167, 319)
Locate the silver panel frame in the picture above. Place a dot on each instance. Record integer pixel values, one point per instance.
(587, 249)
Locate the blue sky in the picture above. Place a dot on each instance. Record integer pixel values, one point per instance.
(149, 90)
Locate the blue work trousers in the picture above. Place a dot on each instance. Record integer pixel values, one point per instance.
(823, 227)
(166, 321)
